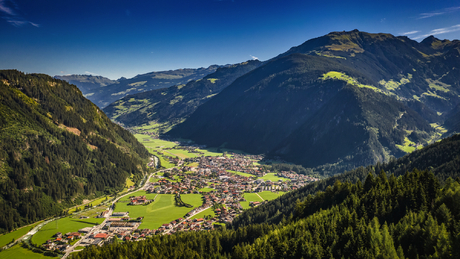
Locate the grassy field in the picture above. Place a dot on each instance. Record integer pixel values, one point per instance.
(240, 173)
(64, 225)
(268, 195)
(94, 203)
(181, 153)
(148, 141)
(249, 197)
(7, 238)
(272, 177)
(129, 182)
(210, 152)
(204, 213)
(91, 213)
(162, 210)
(19, 252)
(163, 161)
(406, 148)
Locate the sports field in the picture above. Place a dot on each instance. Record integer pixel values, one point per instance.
(162, 210)
(63, 225)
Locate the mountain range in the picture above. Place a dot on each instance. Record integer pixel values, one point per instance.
(103, 91)
(342, 100)
(167, 107)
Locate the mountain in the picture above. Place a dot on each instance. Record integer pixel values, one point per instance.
(169, 106)
(425, 71)
(56, 149)
(88, 84)
(103, 94)
(342, 100)
(364, 213)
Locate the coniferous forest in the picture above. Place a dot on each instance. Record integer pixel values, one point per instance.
(57, 148)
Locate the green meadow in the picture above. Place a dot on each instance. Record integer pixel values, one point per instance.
(63, 225)
(162, 210)
(249, 197)
(7, 238)
(272, 177)
(240, 173)
(268, 195)
(205, 213)
(19, 252)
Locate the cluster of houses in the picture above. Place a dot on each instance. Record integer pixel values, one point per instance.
(61, 242)
(224, 190)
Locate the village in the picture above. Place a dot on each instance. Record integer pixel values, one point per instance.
(221, 181)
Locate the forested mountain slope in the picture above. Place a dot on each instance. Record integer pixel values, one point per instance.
(383, 216)
(172, 105)
(300, 108)
(442, 158)
(56, 148)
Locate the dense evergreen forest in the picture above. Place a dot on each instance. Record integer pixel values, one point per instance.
(57, 148)
(365, 213)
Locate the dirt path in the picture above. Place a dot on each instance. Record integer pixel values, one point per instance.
(260, 196)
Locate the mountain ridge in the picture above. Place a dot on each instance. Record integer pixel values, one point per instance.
(253, 117)
(102, 94)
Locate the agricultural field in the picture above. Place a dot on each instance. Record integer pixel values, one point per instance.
(240, 173)
(204, 213)
(210, 152)
(162, 210)
(272, 177)
(63, 225)
(18, 252)
(150, 142)
(249, 197)
(7, 238)
(181, 153)
(164, 163)
(268, 195)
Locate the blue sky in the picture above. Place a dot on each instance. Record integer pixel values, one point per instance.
(115, 38)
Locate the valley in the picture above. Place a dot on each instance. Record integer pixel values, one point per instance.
(346, 145)
(214, 187)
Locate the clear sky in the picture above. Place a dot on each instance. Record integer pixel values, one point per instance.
(115, 38)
